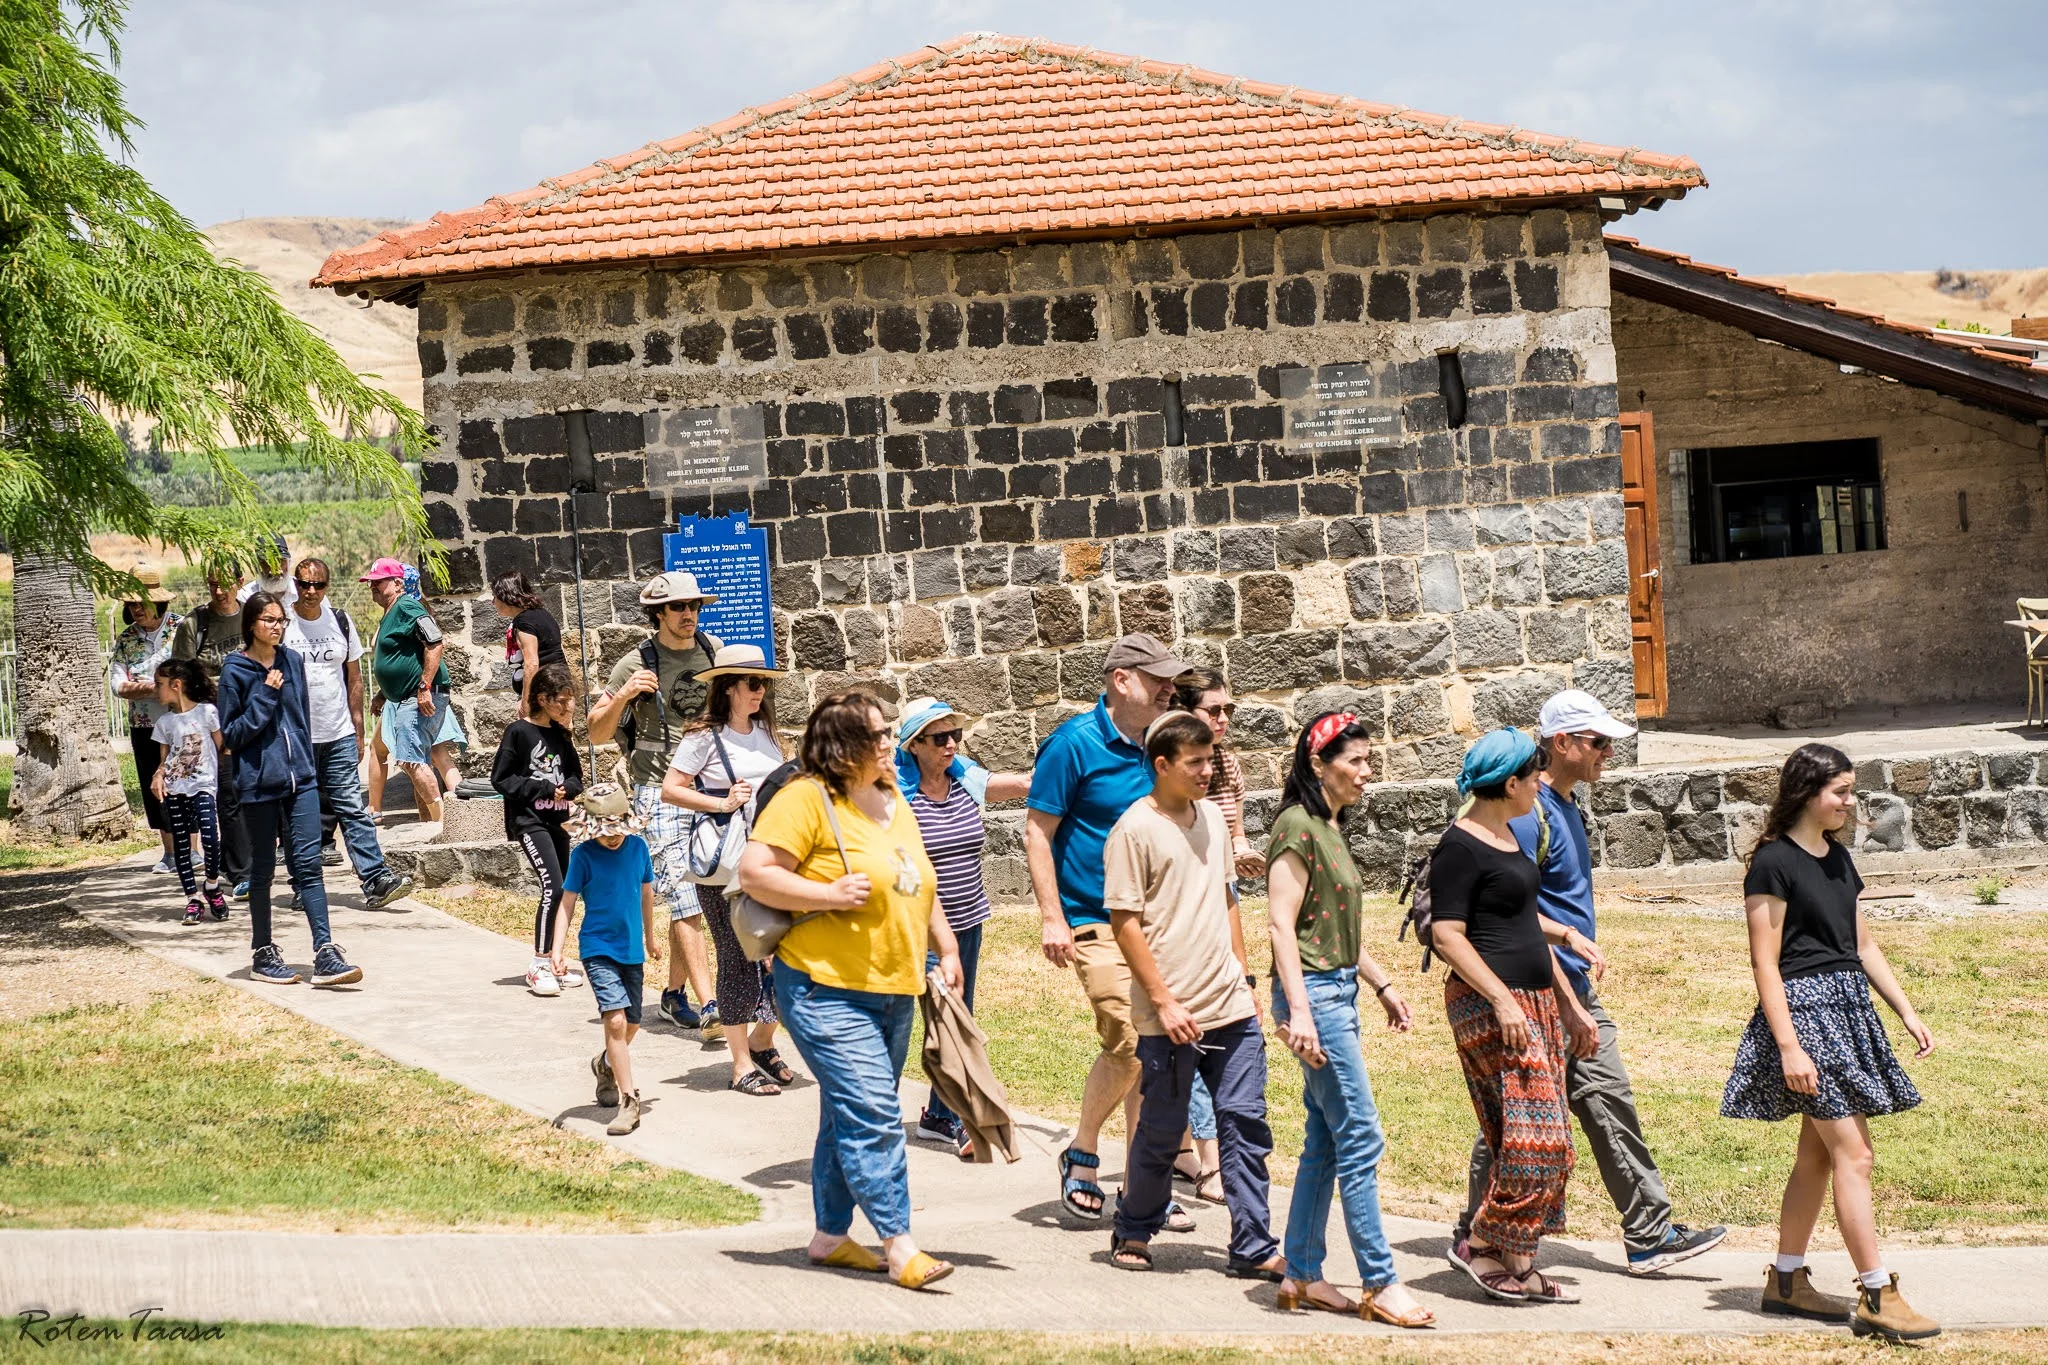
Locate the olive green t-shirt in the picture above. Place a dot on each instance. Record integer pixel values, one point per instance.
(223, 637)
(1327, 928)
(678, 701)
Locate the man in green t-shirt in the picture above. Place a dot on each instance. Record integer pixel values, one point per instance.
(646, 709)
(420, 728)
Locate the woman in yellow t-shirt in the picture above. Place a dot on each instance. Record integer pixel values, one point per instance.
(849, 972)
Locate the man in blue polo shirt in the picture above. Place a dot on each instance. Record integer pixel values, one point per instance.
(1089, 772)
(1578, 736)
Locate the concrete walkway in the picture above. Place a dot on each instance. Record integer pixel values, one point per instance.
(444, 995)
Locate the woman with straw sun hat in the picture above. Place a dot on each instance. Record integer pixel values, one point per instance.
(727, 751)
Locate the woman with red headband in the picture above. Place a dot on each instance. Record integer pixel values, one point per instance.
(1316, 900)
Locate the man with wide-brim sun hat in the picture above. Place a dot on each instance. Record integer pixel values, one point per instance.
(947, 792)
(148, 628)
(651, 694)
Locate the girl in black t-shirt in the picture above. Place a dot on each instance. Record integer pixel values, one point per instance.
(533, 639)
(1511, 1010)
(1815, 1046)
(540, 775)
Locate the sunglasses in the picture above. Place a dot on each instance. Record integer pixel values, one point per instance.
(942, 738)
(1226, 710)
(307, 586)
(681, 606)
(752, 684)
(1601, 742)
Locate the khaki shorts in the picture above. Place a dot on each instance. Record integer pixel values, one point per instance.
(1107, 980)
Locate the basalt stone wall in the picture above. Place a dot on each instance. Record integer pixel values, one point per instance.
(1709, 814)
(971, 487)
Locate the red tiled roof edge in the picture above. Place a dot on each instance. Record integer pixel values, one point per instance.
(366, 262)
(1734, 276)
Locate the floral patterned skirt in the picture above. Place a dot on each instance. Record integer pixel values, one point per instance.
(1839, 1028)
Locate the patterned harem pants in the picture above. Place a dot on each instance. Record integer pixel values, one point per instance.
(1519, 1099)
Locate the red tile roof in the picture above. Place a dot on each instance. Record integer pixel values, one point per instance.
(987, 136)
(1733, 276)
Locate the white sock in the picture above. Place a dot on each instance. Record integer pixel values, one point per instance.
(1788, 1264)
(1875, 1279)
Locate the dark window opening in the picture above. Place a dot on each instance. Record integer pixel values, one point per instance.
(1176, 430)
(1779, 501)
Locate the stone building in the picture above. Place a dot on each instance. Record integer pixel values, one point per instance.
(1045, 345)
(1930, 447)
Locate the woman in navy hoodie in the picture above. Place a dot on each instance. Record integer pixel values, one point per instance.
(264, 723)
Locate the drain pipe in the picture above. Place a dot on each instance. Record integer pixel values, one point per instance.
(582, 479)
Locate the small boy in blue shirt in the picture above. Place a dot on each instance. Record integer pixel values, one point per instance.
(612, 874)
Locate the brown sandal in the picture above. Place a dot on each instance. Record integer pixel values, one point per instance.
(1370, 1310)
(1538, 1287)
(1298, 1300)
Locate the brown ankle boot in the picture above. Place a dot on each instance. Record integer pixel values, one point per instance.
(1794, 1296)
(1885, 1313)
(628, 1117)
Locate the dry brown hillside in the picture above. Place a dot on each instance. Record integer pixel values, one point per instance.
(376, 340)
(1992, 298)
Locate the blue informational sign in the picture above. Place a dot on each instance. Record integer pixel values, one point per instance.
(730, 560)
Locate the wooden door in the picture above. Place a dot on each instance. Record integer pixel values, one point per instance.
(1645, 562)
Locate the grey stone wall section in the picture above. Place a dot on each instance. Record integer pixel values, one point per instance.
(1711, 814)
(969, 488)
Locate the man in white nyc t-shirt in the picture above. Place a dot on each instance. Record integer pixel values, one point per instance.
(327, 640)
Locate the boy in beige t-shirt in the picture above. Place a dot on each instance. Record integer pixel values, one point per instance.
(1166, 884)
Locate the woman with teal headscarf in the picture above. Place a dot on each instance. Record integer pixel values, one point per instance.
(947, 792)
(1510, 1008)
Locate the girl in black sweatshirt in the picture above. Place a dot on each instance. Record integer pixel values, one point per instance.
(539, 774)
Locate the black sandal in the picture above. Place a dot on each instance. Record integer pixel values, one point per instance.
(770, 1061)
(754, 1083)
(1126, 1254)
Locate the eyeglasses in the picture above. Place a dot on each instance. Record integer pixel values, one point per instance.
(1226, 710)
(942, 738)
(305, 586)
(277, 621)
(883, 735)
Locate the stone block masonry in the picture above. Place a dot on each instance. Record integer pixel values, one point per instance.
(1701, 821)
(984, 465)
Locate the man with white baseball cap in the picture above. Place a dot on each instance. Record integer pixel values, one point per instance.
(652, 693)
(1578, 735)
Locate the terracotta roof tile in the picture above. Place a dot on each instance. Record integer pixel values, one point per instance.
(1877, 319)
(985, 135)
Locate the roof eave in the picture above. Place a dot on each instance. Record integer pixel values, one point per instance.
(389, 288)
(1826, 332)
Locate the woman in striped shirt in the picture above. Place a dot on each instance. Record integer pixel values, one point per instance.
(947, 792)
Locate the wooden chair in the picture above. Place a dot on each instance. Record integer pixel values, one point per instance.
(2036, 609)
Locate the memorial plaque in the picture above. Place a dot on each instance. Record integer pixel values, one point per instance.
(706, 447)
(1340, 409)
(730, 560)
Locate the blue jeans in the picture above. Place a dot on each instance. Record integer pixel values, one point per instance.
(294, 821)
(1201, 1112)
(970, 958)
(338, 764)
(1231, 1058)
(854, 1042)
(1344, 1142)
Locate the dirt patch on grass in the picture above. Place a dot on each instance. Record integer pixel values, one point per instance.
(51, 959)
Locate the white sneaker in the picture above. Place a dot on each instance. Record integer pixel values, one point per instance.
(570, 978)
(541, 981)
(163, 865)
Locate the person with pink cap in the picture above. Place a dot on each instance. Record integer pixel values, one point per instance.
(420, 728)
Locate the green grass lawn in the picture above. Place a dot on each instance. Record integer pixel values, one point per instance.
(237, 1343)
(1968, 1161)
(206, 1106)
(25, 857)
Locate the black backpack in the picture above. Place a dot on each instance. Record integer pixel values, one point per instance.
(1415, 890)
(629, 723)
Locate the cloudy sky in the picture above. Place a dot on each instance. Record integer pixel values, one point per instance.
(1836, 134)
